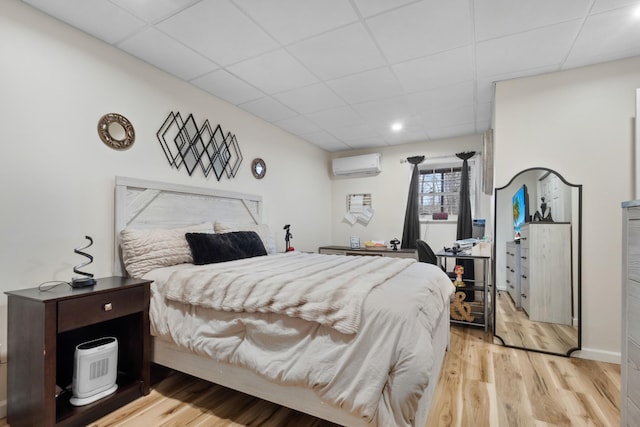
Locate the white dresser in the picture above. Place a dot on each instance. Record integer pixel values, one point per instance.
(513, 272)
(630, 360)
(545, 271)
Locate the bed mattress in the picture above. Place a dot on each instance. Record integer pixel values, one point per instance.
(378, 374)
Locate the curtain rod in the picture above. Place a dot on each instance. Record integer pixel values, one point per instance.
(450, 156)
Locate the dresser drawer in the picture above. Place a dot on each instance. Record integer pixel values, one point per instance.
(94, 308)
(524, 256)
(633, 372)
(633, 310)
(633, 250)
(633, 414)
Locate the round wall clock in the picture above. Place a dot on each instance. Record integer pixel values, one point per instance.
(259, 168)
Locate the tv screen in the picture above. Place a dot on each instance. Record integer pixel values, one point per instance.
(520, 210)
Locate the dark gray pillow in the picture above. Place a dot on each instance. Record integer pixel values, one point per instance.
(209, 248)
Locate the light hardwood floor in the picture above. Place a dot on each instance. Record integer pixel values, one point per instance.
(481, 384)
(515, 328)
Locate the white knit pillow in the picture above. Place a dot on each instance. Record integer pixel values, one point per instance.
(146, 249)
(263, 231)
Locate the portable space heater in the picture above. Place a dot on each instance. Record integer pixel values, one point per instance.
(95, 370)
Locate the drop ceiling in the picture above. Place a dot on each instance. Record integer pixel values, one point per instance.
(339, 73)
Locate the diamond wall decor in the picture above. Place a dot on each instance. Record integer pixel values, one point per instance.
(185, 144)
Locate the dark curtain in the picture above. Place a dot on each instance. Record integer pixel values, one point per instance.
(465, 224)
(411, 230)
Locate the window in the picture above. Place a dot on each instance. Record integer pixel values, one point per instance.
(439, 188)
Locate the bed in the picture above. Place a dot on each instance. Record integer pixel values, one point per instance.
(371, 358)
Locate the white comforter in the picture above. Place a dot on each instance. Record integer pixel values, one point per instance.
(378, 374)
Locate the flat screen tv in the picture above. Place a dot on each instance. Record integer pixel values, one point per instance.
(520, 210)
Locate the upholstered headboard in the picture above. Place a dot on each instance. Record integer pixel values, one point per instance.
(151, 204)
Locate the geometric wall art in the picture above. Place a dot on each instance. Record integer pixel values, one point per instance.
(186, 144)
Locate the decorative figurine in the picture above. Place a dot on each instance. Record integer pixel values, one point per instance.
(544, 214)
(394, 244)
(459, 271)
(460, 310)
(287, 239)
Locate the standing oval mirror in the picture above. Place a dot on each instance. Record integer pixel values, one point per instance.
(537, 262)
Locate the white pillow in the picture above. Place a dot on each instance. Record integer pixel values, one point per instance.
(146, 249)
(263, 231)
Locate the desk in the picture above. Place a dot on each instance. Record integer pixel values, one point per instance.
(481, 311)
(375, 251)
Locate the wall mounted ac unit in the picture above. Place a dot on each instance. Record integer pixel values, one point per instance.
(364, 165)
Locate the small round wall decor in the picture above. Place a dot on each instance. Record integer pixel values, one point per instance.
(116, 131)
(258, 168)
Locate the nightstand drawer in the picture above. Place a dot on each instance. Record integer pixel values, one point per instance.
(94, 308)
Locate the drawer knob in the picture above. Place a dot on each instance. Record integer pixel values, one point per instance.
(108, 307)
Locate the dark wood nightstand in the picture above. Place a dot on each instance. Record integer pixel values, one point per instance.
(44, 328)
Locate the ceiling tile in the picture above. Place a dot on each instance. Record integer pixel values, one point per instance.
(422, 28)
(359, 131)
(407, 137)
(413, 129)
(498, 18)
(373, 7)
(338, 53)
(580, 61)
(452, 131)
(225, 85)
(167, 54)
(603, 5)
(99, 18)
(449, 117)
(336, 118)
(357, 88)
(367, 142)
(485, 83)
(298, 125)
(441, 69)
(443, 97)
(293, 20)
(385, 110)
(326, 141)
(608, 33)
(273, 72)
(152, 11)
(533, 49)
(219, 31)
(310, 99)
(267, 109)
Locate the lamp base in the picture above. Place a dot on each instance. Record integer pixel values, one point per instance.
(81, 282)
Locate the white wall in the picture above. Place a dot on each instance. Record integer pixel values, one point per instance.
(57, 177)
(389, 191)
(579, 123)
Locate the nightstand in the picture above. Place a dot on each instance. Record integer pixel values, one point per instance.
(44, 327)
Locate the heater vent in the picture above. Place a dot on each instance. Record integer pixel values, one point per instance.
(98, 369)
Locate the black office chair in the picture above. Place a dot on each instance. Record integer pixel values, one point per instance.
(425, 253)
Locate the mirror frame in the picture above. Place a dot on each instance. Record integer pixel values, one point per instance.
(579, 270)
(109, 139)
(254, 168)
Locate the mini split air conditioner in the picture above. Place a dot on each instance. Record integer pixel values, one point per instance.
(95, 370)
(365, 165)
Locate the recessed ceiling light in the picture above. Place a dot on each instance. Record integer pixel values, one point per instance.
(396, 127)
(636, 12)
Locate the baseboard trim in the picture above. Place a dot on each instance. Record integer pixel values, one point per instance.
(598, 355)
